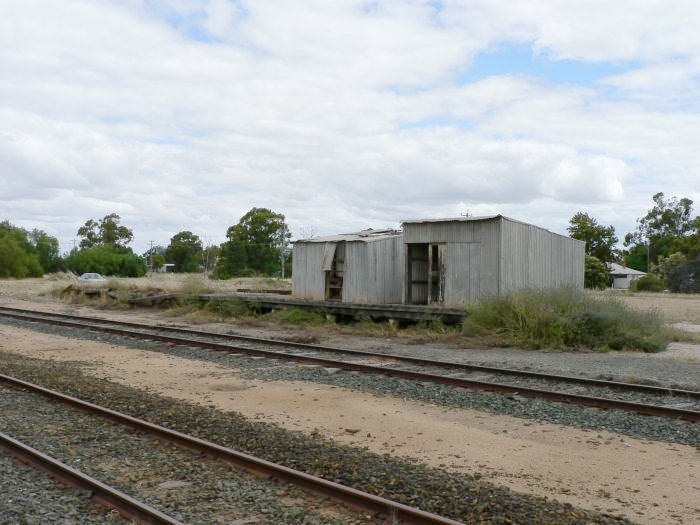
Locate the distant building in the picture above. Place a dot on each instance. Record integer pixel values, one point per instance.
(364, 267)
(623, 276)
(457, 261)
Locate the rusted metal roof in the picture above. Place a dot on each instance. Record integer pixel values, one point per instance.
(362, 236)
(462, 218)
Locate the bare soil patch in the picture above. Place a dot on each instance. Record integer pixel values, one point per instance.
(650, 482)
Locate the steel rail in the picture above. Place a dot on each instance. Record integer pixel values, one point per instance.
(125, 505)
(394, 512)
(590, 401)
(448, 365)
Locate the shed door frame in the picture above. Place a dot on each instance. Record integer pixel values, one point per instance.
(436, 273)
(425, 273)
(335, 273)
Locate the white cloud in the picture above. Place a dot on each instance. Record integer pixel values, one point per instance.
(184, 115)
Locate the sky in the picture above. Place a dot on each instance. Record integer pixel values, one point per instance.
(342, 114)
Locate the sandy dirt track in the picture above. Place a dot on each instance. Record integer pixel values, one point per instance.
(650, 482)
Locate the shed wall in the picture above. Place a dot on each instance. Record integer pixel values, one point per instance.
(472, 254)
(308, 277)
(532, 257)
(373, 271)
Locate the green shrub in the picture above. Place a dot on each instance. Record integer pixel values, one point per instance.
(297, 316)
(567, 318)
(230, 307)
(596, 273)
(649, 283)
(106, 260)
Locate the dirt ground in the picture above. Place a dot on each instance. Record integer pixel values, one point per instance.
(650, 482)
(675, 307)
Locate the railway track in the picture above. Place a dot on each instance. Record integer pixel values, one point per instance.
(383, 509)
(101, 493)
(646, 399)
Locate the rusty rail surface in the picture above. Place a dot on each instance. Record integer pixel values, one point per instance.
(590, 401)
(393, 512)
(125, 505)
(448, 365)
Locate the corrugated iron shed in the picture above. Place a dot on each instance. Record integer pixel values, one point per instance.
(448, 262)
(365, 267)
(456, 261)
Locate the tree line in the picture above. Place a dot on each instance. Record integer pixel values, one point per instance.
(256, 245)
(665, 244)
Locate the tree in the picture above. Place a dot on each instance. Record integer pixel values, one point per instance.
(596, 273)
(185, 251)
(637, 258)
(47, 249)
(210, 256)
(106, 232)
(256, 243)
(154, 257)
(668, 264)
(684, 277)
(667, 228)
(18, 257)
(600, 240)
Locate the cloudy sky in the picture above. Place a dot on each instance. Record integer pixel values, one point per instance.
(343, 114)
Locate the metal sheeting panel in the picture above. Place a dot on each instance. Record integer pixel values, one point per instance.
(373, 271)
(453, 231)
(533, 257)
(328, 254)
(462, 273)
(472, 256)
(308, 278)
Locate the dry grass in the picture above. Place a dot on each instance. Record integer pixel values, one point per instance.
(160, 281)
(675, 308)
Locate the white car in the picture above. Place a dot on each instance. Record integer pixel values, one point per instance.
(91, 278)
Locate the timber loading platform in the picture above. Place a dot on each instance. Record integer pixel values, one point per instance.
(273, 301)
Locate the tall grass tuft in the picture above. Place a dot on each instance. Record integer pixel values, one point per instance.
(567, 318)
(299, 317)
(230, 307)
(192, 287)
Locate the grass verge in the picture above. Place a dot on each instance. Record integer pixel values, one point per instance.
(566, 319)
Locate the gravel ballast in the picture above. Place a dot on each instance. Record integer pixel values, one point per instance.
(618, 421)
(178, 482)
(30, 496)
(462, 497)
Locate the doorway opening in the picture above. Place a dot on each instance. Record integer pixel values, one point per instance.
(334, 273)
(425, 273)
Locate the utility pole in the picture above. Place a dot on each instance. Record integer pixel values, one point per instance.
(648, 259)
(150, 258)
